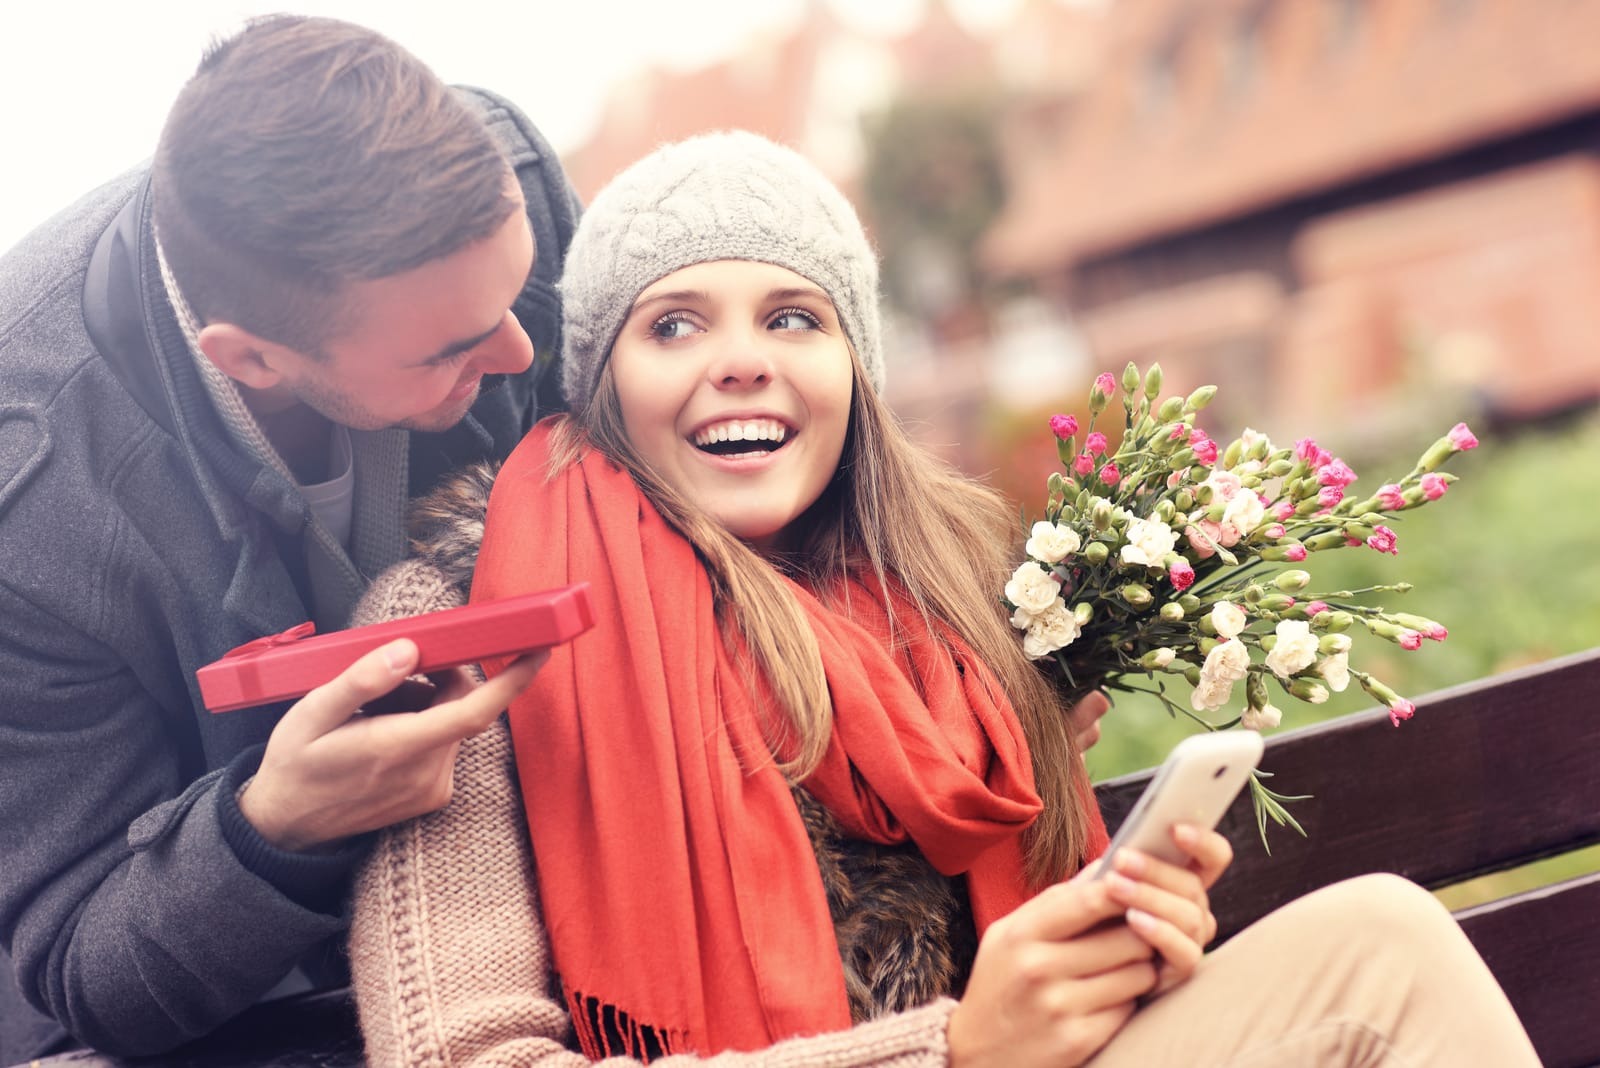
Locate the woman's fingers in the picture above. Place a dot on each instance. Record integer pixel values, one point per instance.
(1210, 853)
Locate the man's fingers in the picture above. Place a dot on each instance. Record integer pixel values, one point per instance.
(334, 702)
(471, 713)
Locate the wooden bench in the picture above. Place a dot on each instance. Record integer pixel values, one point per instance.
(1488, 776)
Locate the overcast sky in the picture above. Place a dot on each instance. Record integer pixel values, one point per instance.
(85, 84)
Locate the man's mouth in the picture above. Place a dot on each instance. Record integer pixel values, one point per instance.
(739, 437)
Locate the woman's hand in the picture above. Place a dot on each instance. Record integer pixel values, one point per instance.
(1052, 982)
(1083, 718)
(1169, 907)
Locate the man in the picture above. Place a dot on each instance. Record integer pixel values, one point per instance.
(223, 378)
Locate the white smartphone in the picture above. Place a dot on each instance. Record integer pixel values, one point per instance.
(1195, 784)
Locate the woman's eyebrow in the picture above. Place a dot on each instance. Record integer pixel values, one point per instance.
(684, 296)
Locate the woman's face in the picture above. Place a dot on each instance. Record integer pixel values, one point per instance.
(734, 381)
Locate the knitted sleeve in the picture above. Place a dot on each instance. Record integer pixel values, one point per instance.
(448, 953)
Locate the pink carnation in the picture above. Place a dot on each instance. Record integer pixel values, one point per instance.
(1181, 574)
(1391, 497)
(1203, 542)
(1335, 473)
(1433, 486)
(1177, 432)
(1205, 452)
(1401, 709)
(1095, 443)
(1410, 639)
(1437, 633)
(1281, 511)
(1274, 531)
(1295, 553)
(1105, 383)
(1329, 496)
(1463, 438)
(1110, 475)
(1308, 450)
(1063, 426)
(1383, 539)
(1083, 464)
(1316, 607)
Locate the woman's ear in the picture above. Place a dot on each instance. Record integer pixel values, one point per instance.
(242, 356)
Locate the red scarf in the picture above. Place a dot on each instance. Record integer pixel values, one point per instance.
(680, 890)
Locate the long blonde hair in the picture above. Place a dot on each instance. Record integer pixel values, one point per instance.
(894, 511)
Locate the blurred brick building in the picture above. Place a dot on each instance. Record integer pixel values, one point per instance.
(1333, 209)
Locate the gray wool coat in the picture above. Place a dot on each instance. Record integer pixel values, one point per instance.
(138, 543)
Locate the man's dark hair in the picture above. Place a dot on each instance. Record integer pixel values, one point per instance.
(309, 153)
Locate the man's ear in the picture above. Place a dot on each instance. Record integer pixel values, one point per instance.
(244, 357)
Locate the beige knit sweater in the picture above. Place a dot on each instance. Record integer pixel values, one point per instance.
(448, 951)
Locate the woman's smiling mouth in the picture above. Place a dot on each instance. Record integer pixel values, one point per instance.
(741, 437)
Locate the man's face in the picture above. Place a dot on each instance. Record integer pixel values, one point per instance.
(422, 340)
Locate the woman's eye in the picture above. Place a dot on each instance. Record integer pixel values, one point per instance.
(672, 325)
(794, 319)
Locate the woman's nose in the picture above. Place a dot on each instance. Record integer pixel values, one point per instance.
(741, 361)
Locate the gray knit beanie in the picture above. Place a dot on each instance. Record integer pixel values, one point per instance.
(722, 196)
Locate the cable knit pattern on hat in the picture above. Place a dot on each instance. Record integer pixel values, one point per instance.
(722, 196)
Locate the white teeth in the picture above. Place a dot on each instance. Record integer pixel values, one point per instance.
(747, 430)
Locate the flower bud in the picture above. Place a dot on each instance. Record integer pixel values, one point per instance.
(1184, 499)
(1100, 392)
(1279, 468)
(1253, 593)
(1292, 552)
(1292, 581)
(1096, 552)
(1275, 602)
(1191, 674)
(1428, 628)
(1199, 398)
(1328, 539)
(1232, 454)
(1334, 643)
(1130, 379)
(1082, 612)
(1171, 612)
(1152, 381)
(1255, 690)
(1307, 690)
(1170, 409)
(1136, 594)
(1338, 622)
(1063, 426)
(1164, 511)
(1055, 483)
(1189, 603)
(1207, 644)
(1157, 658)
(1102, 514)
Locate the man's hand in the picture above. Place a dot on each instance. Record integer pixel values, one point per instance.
(330, 772)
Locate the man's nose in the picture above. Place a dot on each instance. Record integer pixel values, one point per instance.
(508, 352)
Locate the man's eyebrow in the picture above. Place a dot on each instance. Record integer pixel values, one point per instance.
(456, 348)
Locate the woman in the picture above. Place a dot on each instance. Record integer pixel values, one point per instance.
(799, 798)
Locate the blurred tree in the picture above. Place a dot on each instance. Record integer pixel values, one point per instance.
(931, 186)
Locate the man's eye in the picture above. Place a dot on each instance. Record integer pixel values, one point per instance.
(672, 325)
(794, 319)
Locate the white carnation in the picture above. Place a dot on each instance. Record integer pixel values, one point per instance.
(1335, 671)
(1149, 540)
(1032, 589)
(1050, 630)
(1227, 617)
(1244, 513)
(1295, 650)
(1052, 542)
(1261, 719)
(1226, 664)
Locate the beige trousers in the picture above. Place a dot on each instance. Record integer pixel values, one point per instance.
(1372, 971)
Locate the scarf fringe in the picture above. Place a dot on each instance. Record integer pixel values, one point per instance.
(606, 1031)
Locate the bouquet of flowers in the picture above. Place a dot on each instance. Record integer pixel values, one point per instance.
(1175, 558)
